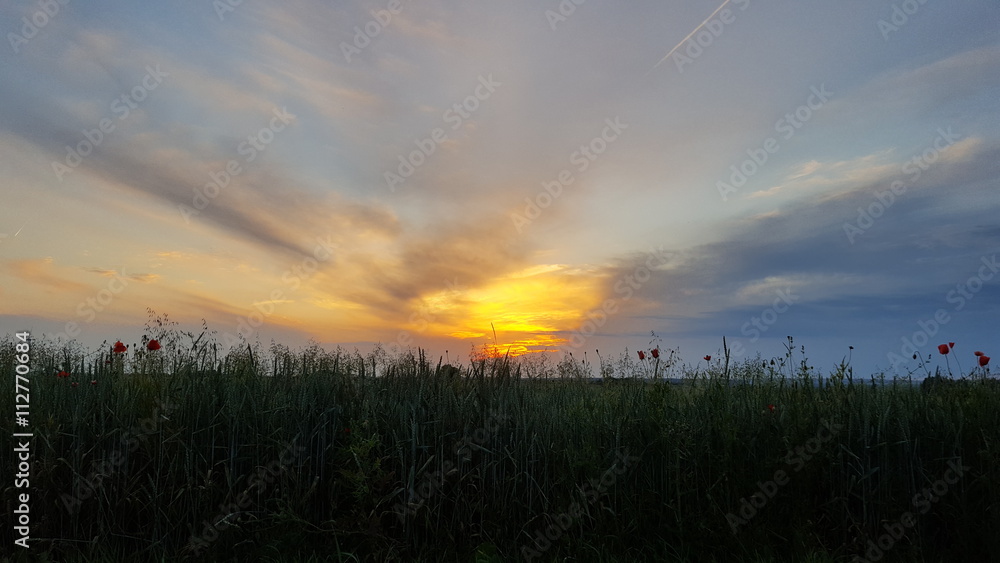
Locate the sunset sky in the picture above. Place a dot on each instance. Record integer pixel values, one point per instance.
(407, 173)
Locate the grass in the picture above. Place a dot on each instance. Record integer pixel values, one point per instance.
(315, 455)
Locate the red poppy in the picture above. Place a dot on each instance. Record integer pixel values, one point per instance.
(153, 345)
(656, 352)
(978, 353)
(983, 360)
(770, 408)
(74, 384)
(62, 374)
(708, 358)
(93, 382)
(120, 348)
(951, 345)
(347, 431)
(943, 348)
(642, 355)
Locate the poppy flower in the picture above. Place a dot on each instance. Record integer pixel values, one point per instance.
(120, 348)
(770, 408)
(708, 358)
(655, 352)
(978, 353)
(62, 374)
(642, 355)
(983, 360)
(74, 384)
(93, 382)
(943, 348)
(153, 345)
(951, 345)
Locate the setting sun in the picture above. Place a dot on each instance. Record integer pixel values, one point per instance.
(529, 309)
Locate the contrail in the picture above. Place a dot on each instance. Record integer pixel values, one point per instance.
(686, 38)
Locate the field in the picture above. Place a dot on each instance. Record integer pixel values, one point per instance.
(314, 455)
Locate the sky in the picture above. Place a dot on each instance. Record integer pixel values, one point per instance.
(545, 177)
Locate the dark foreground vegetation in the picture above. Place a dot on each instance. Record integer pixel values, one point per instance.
(309, 455)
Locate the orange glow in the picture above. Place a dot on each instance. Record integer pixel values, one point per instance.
(528, 309)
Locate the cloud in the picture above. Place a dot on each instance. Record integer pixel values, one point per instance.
(835, 179)
(144, 278)
(41, 274)
(165, 165)
(431, 31)
(816, 174)
(320, 84)
(932, 89)
(804, 246)
(466, 251)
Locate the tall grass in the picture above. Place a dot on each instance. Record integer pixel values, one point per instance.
(388, 458)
